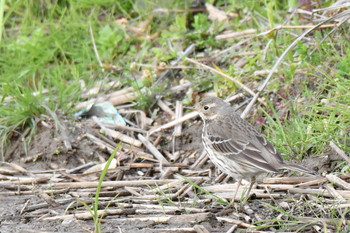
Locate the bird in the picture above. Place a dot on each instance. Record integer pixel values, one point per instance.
(236, 147)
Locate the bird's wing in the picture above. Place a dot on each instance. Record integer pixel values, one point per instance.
(269, 147)
(239, 128)
(243, 152)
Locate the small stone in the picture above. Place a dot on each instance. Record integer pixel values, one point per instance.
(284, 205)
(248, 210)
(68, 221)
(325, 101)
(140, 173)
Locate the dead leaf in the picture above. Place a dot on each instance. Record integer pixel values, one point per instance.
(215, 13)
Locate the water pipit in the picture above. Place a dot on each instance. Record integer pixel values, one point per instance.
(235, 146)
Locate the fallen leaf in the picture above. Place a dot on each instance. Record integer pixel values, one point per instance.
(215, 13)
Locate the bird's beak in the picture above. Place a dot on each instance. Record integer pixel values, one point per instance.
(190, 107)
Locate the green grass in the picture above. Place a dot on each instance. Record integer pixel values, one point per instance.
(319, 113)
(2, 4)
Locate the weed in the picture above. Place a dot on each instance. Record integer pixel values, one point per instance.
(94, 211)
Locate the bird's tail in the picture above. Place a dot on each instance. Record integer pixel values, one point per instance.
(298, 168)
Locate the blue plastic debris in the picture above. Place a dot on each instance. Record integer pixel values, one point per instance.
(105, 111)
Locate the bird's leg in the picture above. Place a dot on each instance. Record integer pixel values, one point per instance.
(228, 209)
(252, 181)
(239, 182)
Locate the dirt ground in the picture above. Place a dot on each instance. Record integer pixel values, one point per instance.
(39, 203)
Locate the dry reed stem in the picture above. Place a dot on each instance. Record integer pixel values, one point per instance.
(123, 127)
(334, 192)
(339, 151)
(235, 221)
(173, 123)
(178, 114)
(122, 183)
(312, 182)
(152, 149)
(337, 181)
(101, 144)
(235, 80)
(289, 180)
(22, 180)
(166, 109)
(116, 98)
(233, 35)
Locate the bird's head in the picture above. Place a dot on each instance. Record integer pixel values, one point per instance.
(209, 107)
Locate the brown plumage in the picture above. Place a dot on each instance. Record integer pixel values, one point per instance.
(235, 146)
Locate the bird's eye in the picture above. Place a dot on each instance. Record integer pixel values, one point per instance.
(206, 107)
